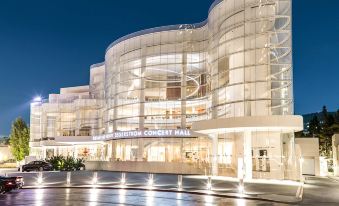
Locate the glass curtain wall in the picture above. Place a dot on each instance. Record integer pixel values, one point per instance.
(180, 150)
(157, 80)
(250, 67)
(239, 64)
(250, 58)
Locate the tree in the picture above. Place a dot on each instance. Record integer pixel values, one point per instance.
(328, 118)
(328, 128)
(337, 117)
(19, 139)
(314, 126)
(4, 141)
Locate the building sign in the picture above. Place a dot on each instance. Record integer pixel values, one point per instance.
(146, 133)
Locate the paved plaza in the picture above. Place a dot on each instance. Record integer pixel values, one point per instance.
(78, 196)
(88, 188)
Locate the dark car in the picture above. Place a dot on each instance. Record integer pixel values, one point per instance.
(2, 187)
(10, 183)
(37, 166)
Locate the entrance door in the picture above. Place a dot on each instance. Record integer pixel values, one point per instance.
(308, 166)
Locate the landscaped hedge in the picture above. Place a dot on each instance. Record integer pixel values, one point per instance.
(61, 163)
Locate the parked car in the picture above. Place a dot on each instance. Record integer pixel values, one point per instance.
(2, 187)
(37, 166)
(10, 183)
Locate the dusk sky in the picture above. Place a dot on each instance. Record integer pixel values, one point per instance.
(46, 45)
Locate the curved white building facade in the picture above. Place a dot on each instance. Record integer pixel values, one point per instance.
(214, 97)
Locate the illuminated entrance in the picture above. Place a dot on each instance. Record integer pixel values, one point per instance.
(179, 150)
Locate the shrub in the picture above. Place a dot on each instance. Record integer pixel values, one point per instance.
(68, 163)
(79, 163)
(57, 162)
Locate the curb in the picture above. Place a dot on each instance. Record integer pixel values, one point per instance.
(333, 178)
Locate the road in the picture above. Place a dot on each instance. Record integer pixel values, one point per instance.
(91, 197)
(321, 191)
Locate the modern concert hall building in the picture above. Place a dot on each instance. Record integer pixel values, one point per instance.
(210, 98)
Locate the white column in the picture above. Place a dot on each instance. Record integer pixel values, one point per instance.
(113, 154)
(248, 154)
(75, 151)
(55, 151)
(142, 90)
(335, 158)
(102, 156)
(140, 153)
(43, 152)
(183, 90)
(40, 121)
(214, 154)
(115, 84)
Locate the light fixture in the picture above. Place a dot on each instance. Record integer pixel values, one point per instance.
(209, 186)
(39, 178)
(209, 183)
(302, 160)
(179, 182)
(37, 99)
(68, 179)
(123, 178)
(150, 180)
(241, 189)
(95, 178)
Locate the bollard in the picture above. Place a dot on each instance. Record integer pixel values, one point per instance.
(241, 186)
(68, 179)
(300, 192)
(95, 178)
(123, 178)
(209, 183)
(179, 182)
(241, 175)
(40, 178)
(150, 180)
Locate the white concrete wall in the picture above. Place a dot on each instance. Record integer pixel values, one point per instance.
(5, 153)
(148, 167)
(271, 142)
(310, 150)
(335, 149)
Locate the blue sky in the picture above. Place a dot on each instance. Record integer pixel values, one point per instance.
(45, 45)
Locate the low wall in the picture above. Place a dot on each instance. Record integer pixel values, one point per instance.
(8, 165)
(149, 167)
